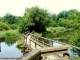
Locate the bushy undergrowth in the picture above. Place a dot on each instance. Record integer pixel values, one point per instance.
(13, 26)
(20, 42)
(4, 26)
(11, 36)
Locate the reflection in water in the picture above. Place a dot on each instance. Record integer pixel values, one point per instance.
(9, 41)
(56, 44)
(72, 51)
(76, 51)
(11, 38)
(2, 39)
(9, 51)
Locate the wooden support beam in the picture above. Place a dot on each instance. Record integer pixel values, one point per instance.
(57, 48)
(33, 55)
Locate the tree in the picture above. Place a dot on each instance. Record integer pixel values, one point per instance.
(23, 26)
(53, 20)
(73, 14)
(75, 38)
(53, 17)
(36, 19)
(10, 18)
(62, 14)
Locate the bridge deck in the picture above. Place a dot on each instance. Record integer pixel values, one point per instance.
(53, 57)
(42, 49)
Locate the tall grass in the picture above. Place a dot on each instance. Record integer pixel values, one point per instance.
(3, 33)
(11, 36)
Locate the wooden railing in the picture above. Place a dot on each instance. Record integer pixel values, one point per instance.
(38, 54)
(51, 40)
(44, 49)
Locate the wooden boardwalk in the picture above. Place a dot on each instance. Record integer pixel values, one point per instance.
(41, 49)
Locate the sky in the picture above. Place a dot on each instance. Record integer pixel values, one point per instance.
(17, 7)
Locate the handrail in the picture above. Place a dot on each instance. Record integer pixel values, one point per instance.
(36, 53)
(45, 43)
(38, 43)
(31, 55)
(45, 47)
(58, 42)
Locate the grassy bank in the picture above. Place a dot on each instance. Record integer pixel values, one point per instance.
(3, 33)
(11, 36)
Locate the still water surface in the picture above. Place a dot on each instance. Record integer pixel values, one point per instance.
(70, 51)
(10, 51)
(13, 52)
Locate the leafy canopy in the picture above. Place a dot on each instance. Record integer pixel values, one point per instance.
(35, 19)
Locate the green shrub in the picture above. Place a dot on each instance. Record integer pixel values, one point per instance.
(4, 26)
(20, 42)
(23, 26)
(11, 35)
(77, 58)
(13, 27)
(11, 38)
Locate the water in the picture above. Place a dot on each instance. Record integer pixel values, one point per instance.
(71, 51)
(10, 51)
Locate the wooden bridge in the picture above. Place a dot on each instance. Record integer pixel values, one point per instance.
(43, 49)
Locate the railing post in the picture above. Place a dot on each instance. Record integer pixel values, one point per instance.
(35, 46)
(43, 41)
(29, 43)
(25, 40)
(51, 43)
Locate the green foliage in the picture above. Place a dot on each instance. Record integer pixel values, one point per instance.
(52, 23)
(73, 14)
(20, 43)
(2, 19)
(36, 19)
(10, 18)
(18, 19)
(56, 29)
(3, 33)
(75, 39)
(62, 14)
(53, 32)
(11, 38)
(75, 24)
(23, 26)
(4, 26)
(77, 58)
(13, 26)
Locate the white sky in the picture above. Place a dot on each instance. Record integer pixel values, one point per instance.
(17, 7)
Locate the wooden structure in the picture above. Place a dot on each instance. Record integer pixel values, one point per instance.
(42, 49)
